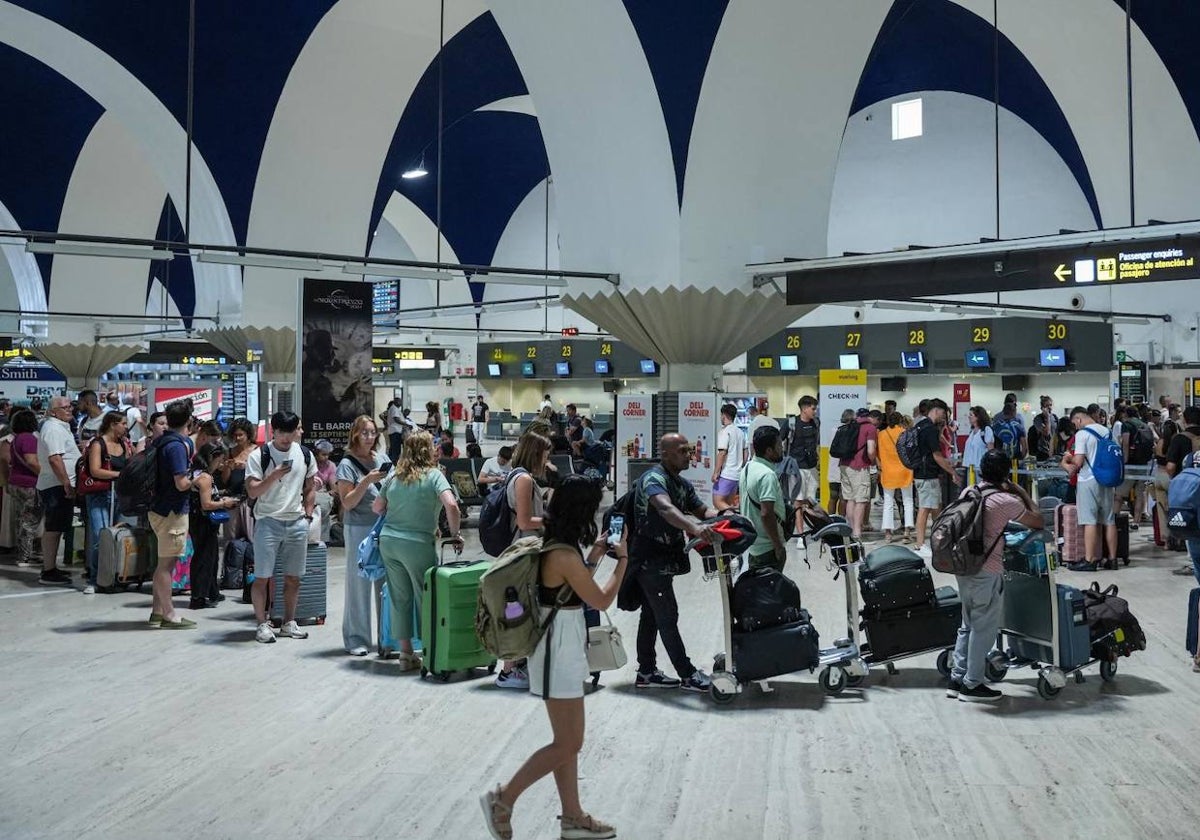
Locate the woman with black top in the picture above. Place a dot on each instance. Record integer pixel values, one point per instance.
(107, 454)
(206, 500)
(231, 477)
(570, 524)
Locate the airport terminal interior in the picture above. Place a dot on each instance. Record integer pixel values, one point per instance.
(759, 287)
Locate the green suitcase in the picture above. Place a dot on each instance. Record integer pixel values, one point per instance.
(448, 600)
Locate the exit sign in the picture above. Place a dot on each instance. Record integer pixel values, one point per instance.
(570, 331)
(1121, 357)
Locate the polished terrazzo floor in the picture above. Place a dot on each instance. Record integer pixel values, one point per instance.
(112, 730)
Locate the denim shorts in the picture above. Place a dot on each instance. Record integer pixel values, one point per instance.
(279, 543)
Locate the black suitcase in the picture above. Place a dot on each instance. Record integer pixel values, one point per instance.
(777, 650)
(764, 597)
(926, 627)
(1122, 537)
(894, 578)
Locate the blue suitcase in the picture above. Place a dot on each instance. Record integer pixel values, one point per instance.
(1193, 621)
(1027, 610)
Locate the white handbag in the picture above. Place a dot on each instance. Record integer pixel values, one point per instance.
(605, 651)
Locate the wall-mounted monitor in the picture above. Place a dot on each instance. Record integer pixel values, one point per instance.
(979, 359)
(848, 361)
(912, 360)
(789, 363)
(527, 369)
(649, 367)
(562, 368)
(493, 370)
(1053, 357)
(602, 367)
(893, 383)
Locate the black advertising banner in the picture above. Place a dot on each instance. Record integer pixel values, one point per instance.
(335, 348)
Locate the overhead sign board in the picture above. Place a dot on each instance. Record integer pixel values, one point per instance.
(1116, 263)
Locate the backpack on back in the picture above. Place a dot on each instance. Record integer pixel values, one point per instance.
(1183, 501)
(845, 441)
(1108, 466)
(1008, 436)
(957, 540)
(496, 518)
(264, 455)
(908, 448)
(508, 619)
(805, 445)
(137, 484)
(1141, 442)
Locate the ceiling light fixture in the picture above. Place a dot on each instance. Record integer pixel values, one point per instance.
(901, 305)
(519, 280)
(418, 171)
(262, 261)
(87, 249)
(403, 272)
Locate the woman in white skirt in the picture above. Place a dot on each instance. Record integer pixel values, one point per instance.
(558, 667)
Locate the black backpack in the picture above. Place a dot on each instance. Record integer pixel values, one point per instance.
(239, 555)
(845, 441)
(764, 597)
(908, 447)
(805, 443)
(1141, 442)
(137, 484)
(496, 529)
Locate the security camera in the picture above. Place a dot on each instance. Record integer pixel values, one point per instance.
(860, 315)
(998, 267)
(1078, 302)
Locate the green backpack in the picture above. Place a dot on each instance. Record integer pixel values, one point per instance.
(508, 618)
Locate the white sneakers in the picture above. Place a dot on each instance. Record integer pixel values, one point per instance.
(265, 634)
(292, 630)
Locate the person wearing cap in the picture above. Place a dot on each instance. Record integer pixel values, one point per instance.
(325, 483)
(855, 472)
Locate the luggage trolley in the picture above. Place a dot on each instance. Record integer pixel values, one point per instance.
(846, 555)
(1045, 625)
(842, 665)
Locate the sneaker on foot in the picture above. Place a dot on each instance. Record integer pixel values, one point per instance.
(177, 624)
(698, 681)
(1083, 566)
(90, 589)
(586, 827)
(979, 694)
(954, 689)
(516, 678)
(361, 650)
(292, 631)
(1185, 571)
(28, 564)
(155, 619)
(55, 577)
(265, 634)
(655, 679)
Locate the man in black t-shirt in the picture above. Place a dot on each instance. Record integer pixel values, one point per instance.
(1184, 443)
(479, 418)
(927, 475)
(805, 448)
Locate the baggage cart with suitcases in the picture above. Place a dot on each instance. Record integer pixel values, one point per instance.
(311, 605)
(449, 598)
(1045, 623)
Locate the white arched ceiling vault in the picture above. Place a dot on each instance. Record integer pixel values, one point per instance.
(20, 268)
(1078, 48)
(115, 191)
(767, 132)
(939, 188)
(158, 137)
(330, 134)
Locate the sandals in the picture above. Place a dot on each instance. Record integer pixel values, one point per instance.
(586, 827)
(497, 814)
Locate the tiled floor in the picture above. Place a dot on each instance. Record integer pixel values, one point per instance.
(112, 730)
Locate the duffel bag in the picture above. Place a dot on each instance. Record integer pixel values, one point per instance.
(764, 597)
(1112, 626)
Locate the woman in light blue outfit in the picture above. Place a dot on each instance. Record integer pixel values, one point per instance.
(360, 476)
(408, 544)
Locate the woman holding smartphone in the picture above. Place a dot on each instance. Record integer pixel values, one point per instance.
(360, 478)
(206, 500)
(559, 663)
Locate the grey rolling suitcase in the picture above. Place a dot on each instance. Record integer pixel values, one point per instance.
(311, 608)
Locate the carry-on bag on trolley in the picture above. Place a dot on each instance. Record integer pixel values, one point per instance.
(311, 607)
(894, 633)
(764, 597)
(449, 599)
(892, 578)
(1114, 630)
(778, 650)
(1068, 534)
(1027, 611)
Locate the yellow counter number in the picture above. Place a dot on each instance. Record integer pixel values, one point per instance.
(853, 338)
(981, 335)
(1056, 331)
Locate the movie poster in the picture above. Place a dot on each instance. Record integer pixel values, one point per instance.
(335, 358)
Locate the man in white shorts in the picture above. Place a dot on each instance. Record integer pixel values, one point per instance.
(285, 494)
(1094, 502)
